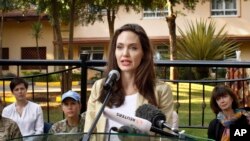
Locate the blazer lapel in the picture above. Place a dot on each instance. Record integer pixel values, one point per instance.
(141, 100)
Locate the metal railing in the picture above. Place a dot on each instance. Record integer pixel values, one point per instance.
(84, 64)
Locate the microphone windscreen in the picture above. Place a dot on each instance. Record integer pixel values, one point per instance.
(127, 129)
(128, 134)
(114, 129)
(116, 73)
(150, 113)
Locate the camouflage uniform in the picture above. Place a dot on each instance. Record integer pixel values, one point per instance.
(8, 129)
(63, 127)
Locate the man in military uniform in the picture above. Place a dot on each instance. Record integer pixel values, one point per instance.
(74, 121)
(8, 128)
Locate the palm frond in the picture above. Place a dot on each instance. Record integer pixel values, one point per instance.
(202, 41)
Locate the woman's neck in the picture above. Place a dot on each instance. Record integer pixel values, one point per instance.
(22, 103)
(128, 84)
(229, 113)
(20, 106)
(73, 121)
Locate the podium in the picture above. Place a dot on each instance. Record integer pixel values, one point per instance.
(108, 137)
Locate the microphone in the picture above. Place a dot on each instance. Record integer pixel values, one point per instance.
(125, 129)
(154, 115)
(125, 133)
(143, 125)
(135, 122)
(113, 76)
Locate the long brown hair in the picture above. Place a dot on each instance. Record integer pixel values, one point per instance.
(145, 73)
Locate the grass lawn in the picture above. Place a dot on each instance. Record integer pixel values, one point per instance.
(197, 101)
(55, 114)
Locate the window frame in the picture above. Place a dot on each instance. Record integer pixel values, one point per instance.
(93, 49)
(161, 50)
(155, 12)
(224, 9)
(42, 53)
(5, 55)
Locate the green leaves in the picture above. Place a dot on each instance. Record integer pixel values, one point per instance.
(37, 29)
(202, 41)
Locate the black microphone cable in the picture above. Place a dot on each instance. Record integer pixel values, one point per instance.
(112, 129)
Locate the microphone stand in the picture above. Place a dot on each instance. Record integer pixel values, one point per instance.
(162, 132)
(91, 129)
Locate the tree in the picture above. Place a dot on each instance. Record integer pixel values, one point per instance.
(5, 6)
(36, 33)
(71, 36)
(111, 8)
(53, 9)
(170, 18)
(98, 9)
(201, 42)
(74, 6)
(72, 12)
(68, 13)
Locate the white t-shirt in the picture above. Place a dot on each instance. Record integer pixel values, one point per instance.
(30, 122)
(127, 108)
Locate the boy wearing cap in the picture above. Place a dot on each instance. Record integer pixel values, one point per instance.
(73, 122)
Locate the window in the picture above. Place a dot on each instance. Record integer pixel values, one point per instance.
(31, 53)
(224, 8)
(5, 53)
(96, 52)
(157, 13)
(162, 52)
(96, 10)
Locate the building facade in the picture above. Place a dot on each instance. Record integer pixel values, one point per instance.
(18, 42)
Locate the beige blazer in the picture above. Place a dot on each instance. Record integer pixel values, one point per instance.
(163, 96)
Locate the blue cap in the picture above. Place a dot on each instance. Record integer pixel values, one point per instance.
(71, 94)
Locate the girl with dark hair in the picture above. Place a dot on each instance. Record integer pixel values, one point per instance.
(225, 106)
(132, 55)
